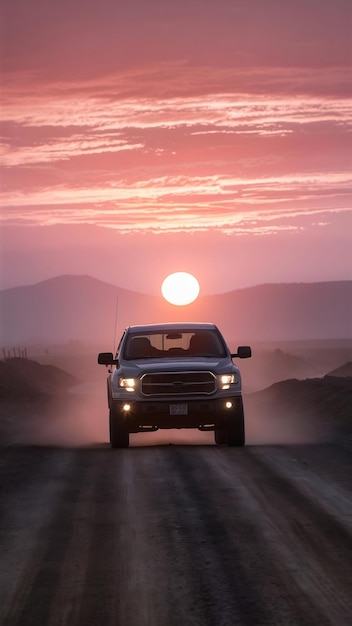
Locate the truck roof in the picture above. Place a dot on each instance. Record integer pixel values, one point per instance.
(172, 325)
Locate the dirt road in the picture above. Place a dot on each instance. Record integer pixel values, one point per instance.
(176, 535)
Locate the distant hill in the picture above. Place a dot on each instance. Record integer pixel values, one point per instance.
(82, 308)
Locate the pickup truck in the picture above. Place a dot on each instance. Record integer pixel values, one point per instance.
(174, 376)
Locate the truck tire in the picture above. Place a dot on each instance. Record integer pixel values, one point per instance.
(235, 427)
(220, 436)
(119, 433)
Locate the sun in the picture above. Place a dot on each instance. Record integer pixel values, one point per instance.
(180, 288)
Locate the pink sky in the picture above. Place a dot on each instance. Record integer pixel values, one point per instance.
(141, 138)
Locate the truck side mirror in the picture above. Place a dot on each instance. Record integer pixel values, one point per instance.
(106, 358)
(243, 352)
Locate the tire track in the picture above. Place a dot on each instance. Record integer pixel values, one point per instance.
(72, 594)
(100, 601)
(31, 599)
(231, 573)
(321, 482)
(36, 477)
(308, 544)
(143, 574)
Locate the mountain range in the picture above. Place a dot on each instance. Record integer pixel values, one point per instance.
(82, 308)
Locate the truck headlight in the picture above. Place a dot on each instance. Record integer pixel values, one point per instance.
(127, 383)
(226, 380)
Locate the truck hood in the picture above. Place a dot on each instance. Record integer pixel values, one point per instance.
(175, 365)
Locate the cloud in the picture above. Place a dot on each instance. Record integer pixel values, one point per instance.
(204, 160)
(178, 117)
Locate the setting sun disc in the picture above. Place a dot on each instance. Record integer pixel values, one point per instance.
(180, 288)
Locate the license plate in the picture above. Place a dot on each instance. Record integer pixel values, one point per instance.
(178, 409)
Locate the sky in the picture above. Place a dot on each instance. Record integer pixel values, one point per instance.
(142, 138)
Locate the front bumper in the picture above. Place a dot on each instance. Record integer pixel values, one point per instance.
(204, 414)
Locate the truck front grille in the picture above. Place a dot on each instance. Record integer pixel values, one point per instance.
(178, 383)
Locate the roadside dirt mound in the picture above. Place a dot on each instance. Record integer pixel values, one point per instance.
(300, 410)
(24, 377)
(343, 371)
(36, 403)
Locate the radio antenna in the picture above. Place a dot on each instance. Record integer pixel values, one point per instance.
(116, 309)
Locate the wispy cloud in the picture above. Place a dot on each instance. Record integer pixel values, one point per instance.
(210, 148)
(186, 203)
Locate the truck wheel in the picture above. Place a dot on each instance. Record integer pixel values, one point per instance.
(235, 427)
(119, 433)
(220, 436)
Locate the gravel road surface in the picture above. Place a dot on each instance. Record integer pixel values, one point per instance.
(176, 535)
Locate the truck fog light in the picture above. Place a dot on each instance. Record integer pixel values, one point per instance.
(126, 407)
(229, 405)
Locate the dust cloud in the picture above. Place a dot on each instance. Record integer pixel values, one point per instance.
(80, 419)
(284, 400)
(291, 412)
(77, 418)
(275, 425)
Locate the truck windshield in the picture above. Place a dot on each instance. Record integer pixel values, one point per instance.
(206, 343)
